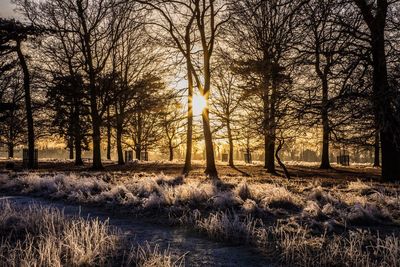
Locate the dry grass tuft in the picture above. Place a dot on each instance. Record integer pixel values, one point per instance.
(152, 256)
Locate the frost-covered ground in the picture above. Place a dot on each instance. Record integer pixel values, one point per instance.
(298, 222)
(42, 236)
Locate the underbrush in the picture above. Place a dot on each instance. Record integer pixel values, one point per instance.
(292, 244)
(37, 236)
(296, 223)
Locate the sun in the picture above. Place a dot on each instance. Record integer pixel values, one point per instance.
(199, 104)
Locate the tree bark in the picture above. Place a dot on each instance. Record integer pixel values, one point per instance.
(138, 152)
(10, 149)
(278, 149)
(325, 127)
(28, 106)
(171, 152)
(230, 140)
(78, 135)
(211, 169)
(189, 135)
(266, 123)
(382, 97)
(108, 134)
(377, 162)
(78, 151)
(271, 130)
(119, 140)
(71, 148)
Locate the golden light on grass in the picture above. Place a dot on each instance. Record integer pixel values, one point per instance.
(199, 104)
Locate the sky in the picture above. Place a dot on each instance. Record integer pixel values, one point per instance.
(6, 9)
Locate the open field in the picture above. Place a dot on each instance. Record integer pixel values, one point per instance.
(345, 211)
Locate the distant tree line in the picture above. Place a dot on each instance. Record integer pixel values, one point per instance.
(111, 71)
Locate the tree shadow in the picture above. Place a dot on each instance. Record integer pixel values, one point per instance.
(240, 171)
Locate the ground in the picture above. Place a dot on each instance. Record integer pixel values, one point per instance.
(345, 210)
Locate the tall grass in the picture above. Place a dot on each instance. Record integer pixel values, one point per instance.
(37, 236)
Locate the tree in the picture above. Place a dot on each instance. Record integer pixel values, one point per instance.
(14, 31)
(66, 97)
(143, 126)
(12, 130)
(262, 36)
(207, 18)
(326, 47)
(134, 57)
(95, 26)
(226, 101)
(172, 119)
(374, 15)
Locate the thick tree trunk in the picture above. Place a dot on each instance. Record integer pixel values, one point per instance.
(377, 147)
(189, 135)
(71, 148)
(325, 127)
(171, 152)
(28, 106)
(230, 140)
(382, 98)
(211, 169)
(10, 150)
(138, 151)
(78, 151)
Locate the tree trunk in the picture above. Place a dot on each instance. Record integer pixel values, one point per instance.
(93, 94)
(28, 106)
(278, 149)
(78, 136)
(71, 148)
(171, 152)
(230, 140)
(96, 136)
(383, 109)
(376, 22)
(211, 169)
(138, 152)
(266, 122)
(271, 131)
(377, 162)
(78, 151)
(325, 127)
(119, 141)
(10, 150)
(189, 135)
(108, 134)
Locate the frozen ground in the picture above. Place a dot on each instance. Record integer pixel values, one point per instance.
(197, 250)
(292, 222)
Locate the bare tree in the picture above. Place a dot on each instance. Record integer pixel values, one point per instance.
(227, 98)
(262, 36)
(202, 18)
(374, 14)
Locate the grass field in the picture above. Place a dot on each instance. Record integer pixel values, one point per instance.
(339, 217)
